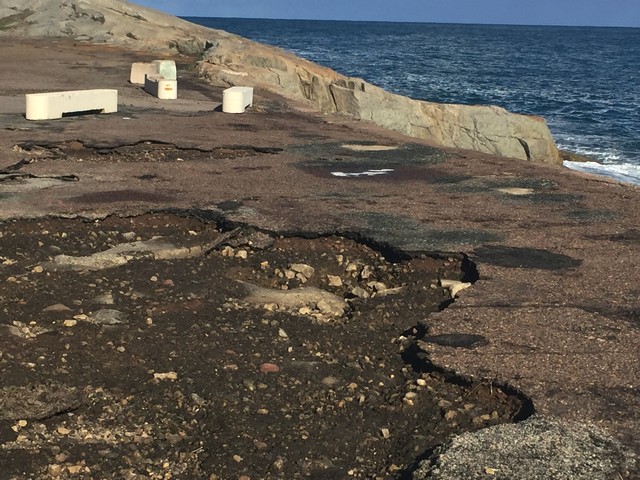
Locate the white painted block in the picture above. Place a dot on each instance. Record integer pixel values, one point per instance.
(166, 69)
(141, 70)
(237, 99)
(161, 68)
(52, 105)
(160, 87)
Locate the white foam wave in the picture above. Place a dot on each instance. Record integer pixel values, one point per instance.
(624, 172)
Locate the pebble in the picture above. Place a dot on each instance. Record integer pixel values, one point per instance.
(450, 415)
(282, 333)
(385, 433)
(329, 381)
(153, 279)
(377, 286)
(360, 292)
(54, 470)
(70, 323)
(63, 431)
(38, 269)
(269, 368)
(58, 307)
(334, 281)
(330, 308)
(366, 272)
(242, 254)
(166, 376)
(303, 268)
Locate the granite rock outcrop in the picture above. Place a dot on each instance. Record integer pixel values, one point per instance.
(487, 129)
(232, 60)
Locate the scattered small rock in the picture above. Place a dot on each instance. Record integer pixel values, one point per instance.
(303, 268)
(57, 307)
(108, 317)
(166, 376)
(269, 368)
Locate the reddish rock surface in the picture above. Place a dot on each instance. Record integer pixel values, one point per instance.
(556, 295)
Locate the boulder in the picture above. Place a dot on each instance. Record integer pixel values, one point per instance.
(115, 22)
(539, 447)
(487, 129)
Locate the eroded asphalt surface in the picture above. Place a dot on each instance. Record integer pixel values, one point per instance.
(553, 310)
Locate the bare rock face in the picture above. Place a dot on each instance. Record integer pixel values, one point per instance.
(115, 22)
(231, 60)
(236, 61)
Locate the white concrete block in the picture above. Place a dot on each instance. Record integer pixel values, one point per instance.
(166, 69)
(52, 105)
(237, 99)
(141, 70)
(161, 87)
(162, 68)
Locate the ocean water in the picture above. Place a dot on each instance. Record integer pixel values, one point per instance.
(584, 81)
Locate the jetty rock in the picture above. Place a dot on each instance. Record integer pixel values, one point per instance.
(229, 60)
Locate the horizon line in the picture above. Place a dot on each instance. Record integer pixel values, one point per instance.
(416, 22)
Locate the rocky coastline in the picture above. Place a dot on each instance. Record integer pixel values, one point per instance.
(547, 321)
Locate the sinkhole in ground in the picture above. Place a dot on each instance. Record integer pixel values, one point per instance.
(164, 358)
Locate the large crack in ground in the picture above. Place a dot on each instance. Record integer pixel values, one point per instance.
(163, 364)
(139, 151)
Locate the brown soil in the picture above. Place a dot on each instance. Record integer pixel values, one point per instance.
(182, 378)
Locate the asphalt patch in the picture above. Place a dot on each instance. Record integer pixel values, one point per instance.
(516, 257)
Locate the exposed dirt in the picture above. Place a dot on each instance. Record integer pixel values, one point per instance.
(163, 368)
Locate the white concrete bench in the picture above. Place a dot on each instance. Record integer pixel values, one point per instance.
(162, 68)
(161, 87)
(237, 99)
(49, 106)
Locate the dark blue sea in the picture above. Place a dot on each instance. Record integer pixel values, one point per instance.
(584, 81)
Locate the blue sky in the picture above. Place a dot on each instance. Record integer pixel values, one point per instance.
(526, 12)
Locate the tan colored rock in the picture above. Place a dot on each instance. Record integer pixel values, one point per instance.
(295, 299)
(487, 129)
(156, 248)
(105, 21)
